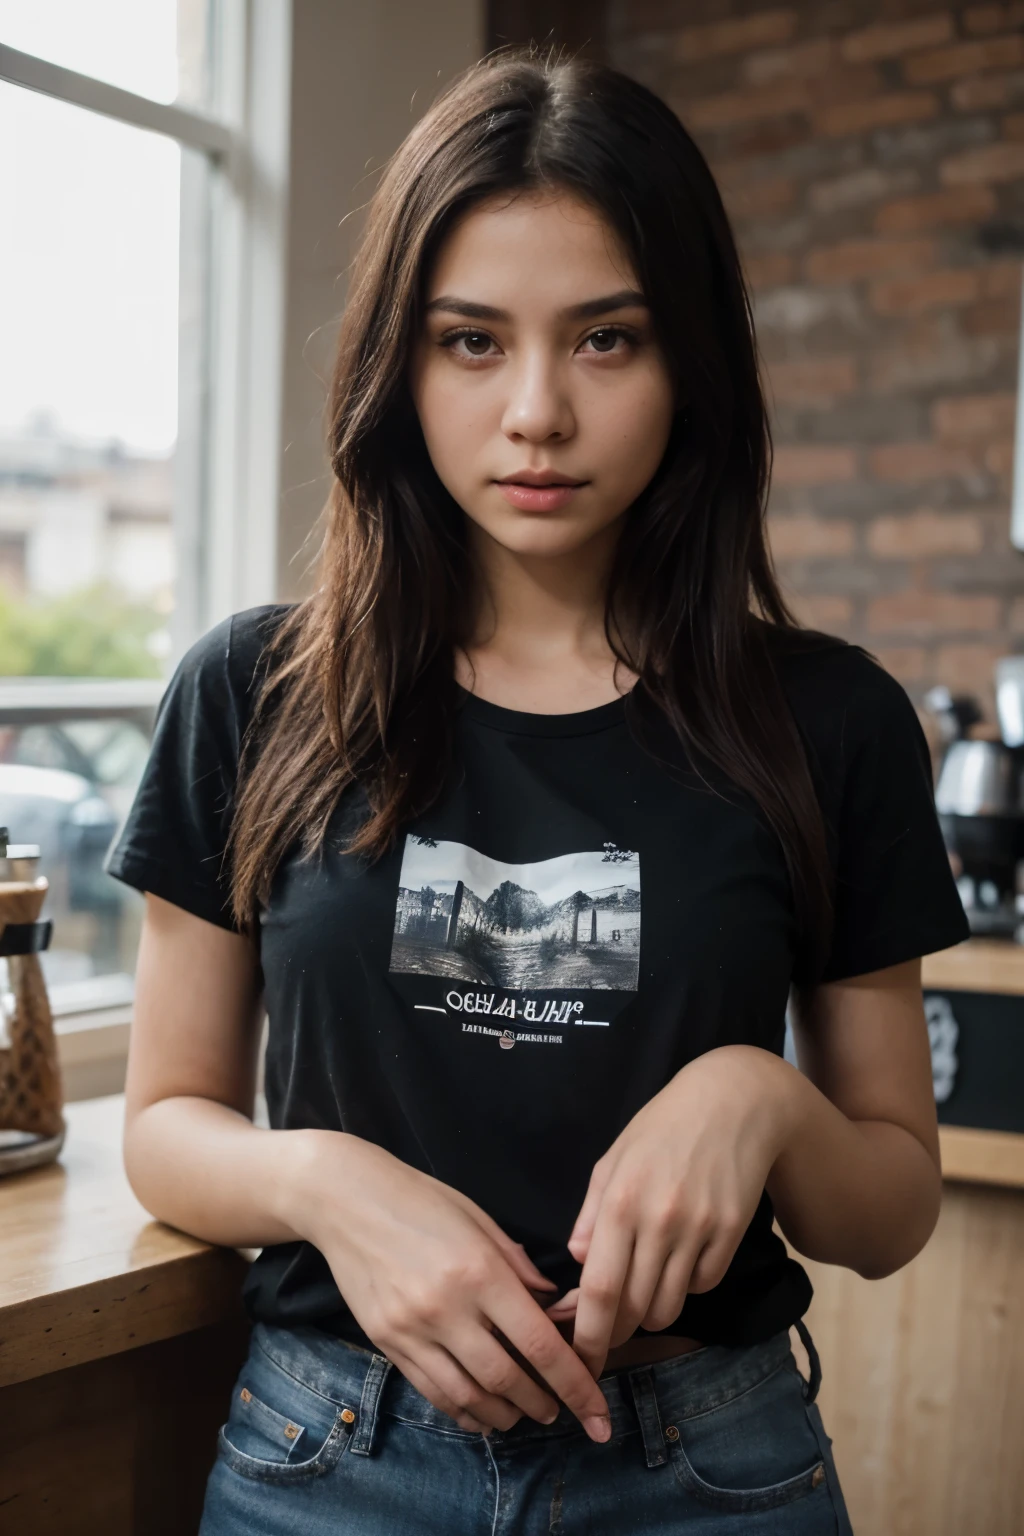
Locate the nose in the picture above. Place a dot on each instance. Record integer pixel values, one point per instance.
(538, 408)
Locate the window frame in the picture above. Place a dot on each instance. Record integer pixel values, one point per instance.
(232, 295)
(1017, 497)
(229, 390)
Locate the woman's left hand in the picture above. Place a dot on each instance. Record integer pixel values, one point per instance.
(669, 1201)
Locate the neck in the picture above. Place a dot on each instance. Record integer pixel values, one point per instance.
(537, 611)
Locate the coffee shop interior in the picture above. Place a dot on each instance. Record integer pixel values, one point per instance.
(206, 163)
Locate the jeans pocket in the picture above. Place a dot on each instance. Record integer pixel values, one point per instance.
(278, 1429)
(754, 1452)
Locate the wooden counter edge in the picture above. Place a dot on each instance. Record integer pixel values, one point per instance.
(982, 1157)
(976, 965)
(119, 1312)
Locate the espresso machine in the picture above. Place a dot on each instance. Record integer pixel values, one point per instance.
(979, 796)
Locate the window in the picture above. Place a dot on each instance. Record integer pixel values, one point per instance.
(143, 158)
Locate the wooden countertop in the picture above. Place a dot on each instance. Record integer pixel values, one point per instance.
(85, 1271)
(976, 965)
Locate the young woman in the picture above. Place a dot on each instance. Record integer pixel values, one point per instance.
(522, 829)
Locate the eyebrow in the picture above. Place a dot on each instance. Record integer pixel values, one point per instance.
(626, 298)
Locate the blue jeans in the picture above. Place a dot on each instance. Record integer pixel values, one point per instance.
(323, 1437)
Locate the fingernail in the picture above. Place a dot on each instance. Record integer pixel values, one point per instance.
(598, 1428)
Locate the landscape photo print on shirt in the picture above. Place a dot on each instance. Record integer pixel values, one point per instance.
(554, 943)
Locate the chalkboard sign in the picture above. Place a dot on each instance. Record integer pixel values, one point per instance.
(977, 1043)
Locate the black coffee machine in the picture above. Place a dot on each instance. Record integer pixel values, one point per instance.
(979, 796)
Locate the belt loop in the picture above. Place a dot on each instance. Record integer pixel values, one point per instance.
(366, 1423)
(814, 1381)
(645, 1399)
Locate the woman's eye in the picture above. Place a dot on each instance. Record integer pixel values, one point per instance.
(475, 343)
(606, 340)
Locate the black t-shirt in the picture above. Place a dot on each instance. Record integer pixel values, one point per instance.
(570, 924)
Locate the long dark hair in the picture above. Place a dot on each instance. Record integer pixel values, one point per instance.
(359, 687)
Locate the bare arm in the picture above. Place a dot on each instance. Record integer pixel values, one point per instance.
(859, 1182)
(192, 1155)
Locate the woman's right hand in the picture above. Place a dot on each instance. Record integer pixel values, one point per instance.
(431, 1279)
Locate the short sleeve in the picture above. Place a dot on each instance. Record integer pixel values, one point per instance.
(895, 895)
(174, 837)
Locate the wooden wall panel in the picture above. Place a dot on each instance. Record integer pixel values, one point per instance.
(923, 1377)
(120, 1446)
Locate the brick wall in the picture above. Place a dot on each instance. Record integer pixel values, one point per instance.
(871, 153)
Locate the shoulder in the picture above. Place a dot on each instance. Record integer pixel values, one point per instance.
(843, 699)
(209, 698)
(832, 672)
(227, 657)
(249, 633)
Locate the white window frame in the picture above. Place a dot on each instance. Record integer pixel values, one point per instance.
(226, 499)
(232, 310)
(1017, 503)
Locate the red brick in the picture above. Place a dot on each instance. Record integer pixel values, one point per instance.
(932, 290)
(736, 36)
(803, 537)
(853, 259)
(819, 610)
(956, 205)
(887, 41)
(768, 269)
(917, 535)
(813, 464)
(751, 105)
(865, 185)
(1002, 280)
(925, 359)
(979, 93)
(999, 458)
(964, 59)
(812, 380)
(931, 613)
(974, 418)
(969, 669)
(995, 162)
(761, 199)
(997, 532)
(852, 82)
(758, 140)
(911, 462)
(907, 663)
(992, 317)
(804, 61)
(903, 239)
(845, 117)
(978, 19)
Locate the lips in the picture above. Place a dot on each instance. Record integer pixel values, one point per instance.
(537, 498)
(539, 477)
(539, 490)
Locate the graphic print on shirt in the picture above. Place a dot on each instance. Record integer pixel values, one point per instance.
(531, 942)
